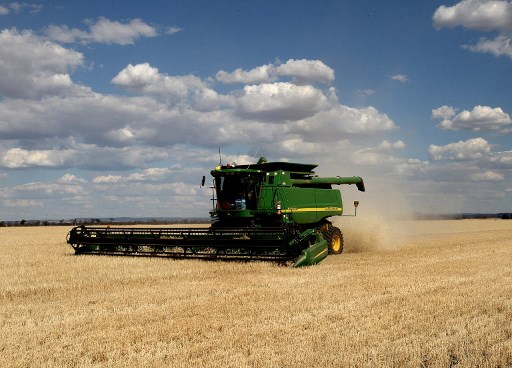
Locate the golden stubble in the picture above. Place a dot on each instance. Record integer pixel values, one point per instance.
(405, 293)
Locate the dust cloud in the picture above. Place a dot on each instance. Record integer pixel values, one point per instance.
(381, 223)
(366, 233)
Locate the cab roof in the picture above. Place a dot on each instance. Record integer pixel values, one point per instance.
(272, 166)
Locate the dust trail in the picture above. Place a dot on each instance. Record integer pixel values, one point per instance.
(369, 233)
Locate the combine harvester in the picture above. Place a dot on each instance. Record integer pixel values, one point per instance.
(266, 211)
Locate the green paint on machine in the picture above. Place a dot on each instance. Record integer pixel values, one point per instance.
(267, 210)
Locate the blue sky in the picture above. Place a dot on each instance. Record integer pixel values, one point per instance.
(118, 109)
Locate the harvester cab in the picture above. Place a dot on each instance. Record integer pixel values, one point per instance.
(275, 194)
(268, 210)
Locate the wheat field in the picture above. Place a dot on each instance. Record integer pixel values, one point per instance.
(403, 294)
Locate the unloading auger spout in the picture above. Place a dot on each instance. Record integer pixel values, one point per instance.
(275, 211)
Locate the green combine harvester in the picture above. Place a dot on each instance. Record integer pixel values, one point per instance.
(266, 211)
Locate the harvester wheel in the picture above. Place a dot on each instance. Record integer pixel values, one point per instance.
(334, 239)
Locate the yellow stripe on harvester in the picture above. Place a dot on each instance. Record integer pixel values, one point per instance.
(321, 253)
(312, 209)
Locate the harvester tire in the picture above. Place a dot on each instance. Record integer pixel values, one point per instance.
(334, 239)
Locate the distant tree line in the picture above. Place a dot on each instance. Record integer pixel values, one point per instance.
(464, 216)
(111, 221)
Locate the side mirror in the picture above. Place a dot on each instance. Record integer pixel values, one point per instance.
(203, 180)
(356, 203)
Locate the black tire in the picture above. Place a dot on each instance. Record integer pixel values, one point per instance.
(334, 239)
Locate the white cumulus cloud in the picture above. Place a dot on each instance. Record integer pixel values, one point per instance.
(306, 71)
(81, 156)
(488, 175)
(17, 7)
(501, 160)
(70, 179)
(400, 78)
(443, 112)
(463, 150)
(105, 179)
(301, 71)
(102, 30)
(340, 122)
(31, 67)
(145, 79)
(499, 46)
(481, 15)
(260, 74)
(387, 146)
(484, 15)
(478, 119)
(22, 158)
(281, 101)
